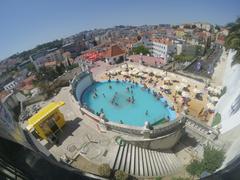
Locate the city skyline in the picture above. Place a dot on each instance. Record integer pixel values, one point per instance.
(24, 25)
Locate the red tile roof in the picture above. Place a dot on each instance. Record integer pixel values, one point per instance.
(114, 50)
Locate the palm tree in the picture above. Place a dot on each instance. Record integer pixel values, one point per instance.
(233, 39)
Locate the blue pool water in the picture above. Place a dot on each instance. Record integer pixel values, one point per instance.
(119, 109)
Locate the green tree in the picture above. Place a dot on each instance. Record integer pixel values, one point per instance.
(140, 50)
(121, 175)
(195, 168)
(31, 67)
(233, 39)
(212, 160)
(183, 57)
(180, 178)
(60, 69)
(104, 170)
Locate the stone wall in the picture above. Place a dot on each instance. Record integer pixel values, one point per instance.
(160, 143)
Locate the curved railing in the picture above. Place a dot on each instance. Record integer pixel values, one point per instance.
(156, 131)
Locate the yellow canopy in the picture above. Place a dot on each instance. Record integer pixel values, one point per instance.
(43, 113)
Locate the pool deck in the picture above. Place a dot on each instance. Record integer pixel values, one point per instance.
(81, 135)
(197, 108)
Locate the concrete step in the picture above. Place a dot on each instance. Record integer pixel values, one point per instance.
(133, 158)
(165, 159)
(170, 163)
(157, 164)
(154, 165)
(140, 161)
(145, 166)
(149, 162)
(174, 160)
(128, 159)
(118, 157)
(122, 164)
(163, 163)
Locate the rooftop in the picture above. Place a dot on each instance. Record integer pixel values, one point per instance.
(114, 50)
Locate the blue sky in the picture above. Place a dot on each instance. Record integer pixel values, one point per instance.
(27, 23)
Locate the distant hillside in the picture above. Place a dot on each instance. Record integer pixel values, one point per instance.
(49, 45)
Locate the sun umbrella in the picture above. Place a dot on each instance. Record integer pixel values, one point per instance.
(166, 78)
(214, 98)
(183, 85)
(210, 88)
(141, 68)
(147, 70)
(210, 106)
(140, 74)
(165, 87)
(145, 75)
(185, 94)
(124, 66)
(217, 91)
(195, 90)
(124, 73)
(155, 71)
(158, 74)
(131, 66)
(117, 70)
(112, 72)
(184, 80)
(177, 88)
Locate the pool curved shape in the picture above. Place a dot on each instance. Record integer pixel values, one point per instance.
(115, 100)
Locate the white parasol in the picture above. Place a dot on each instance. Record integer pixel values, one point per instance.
(195, 90)
(177, 88)
(165, 87)
(214, 99)
(185, 94)
(166, 78)
(124, 66)
(210, 106)
(140, 74)
(124, 73)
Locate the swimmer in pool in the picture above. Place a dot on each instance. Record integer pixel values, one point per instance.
(146, 113)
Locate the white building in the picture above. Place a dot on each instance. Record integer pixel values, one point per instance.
(205, 26)
(10, 86)
(160, 47)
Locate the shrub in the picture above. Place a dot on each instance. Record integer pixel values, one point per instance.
(216, 119)
(195, 168)
(212, 160)
(121, 175)
(180, 178)
(224, 90)
(104, 170)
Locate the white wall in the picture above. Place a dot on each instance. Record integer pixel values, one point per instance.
(228, 100)
(82, 85)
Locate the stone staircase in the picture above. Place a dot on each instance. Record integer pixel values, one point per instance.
(138, 161)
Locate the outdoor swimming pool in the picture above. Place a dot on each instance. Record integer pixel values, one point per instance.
(127, 103)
